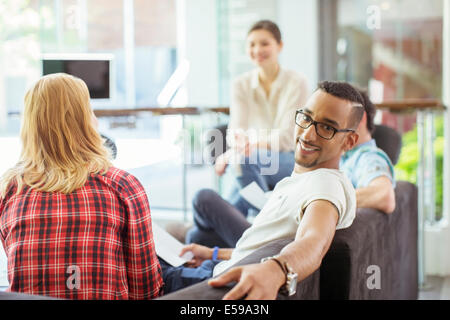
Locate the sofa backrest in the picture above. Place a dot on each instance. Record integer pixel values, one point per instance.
(388, 140)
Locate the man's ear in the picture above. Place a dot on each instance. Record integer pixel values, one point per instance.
(362, 123)
(350, 141)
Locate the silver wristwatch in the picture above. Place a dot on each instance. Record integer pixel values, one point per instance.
(290, 286)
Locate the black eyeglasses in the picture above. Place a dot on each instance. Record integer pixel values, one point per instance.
(323, 130)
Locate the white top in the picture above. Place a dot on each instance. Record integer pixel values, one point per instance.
(251, 108)
(284, 210)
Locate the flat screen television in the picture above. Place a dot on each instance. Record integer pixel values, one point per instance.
(94, 69)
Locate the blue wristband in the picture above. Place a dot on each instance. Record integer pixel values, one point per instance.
(215, 253)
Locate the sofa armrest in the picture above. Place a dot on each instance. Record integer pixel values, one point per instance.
(385, 242)
(308, 289)
(23, 296)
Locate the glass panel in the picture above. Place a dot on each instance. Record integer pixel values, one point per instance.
(149, 146)
(394, 48)
(396, 42)
(155, 47)
(31, 29)
(235, 17)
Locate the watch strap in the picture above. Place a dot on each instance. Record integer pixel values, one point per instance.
(280, 264)
(287, 272)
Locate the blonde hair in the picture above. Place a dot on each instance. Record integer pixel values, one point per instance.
(60, 145)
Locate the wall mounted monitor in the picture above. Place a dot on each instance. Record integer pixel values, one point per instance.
(94, 69)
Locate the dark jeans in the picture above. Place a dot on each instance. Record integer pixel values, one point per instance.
(257, 168)
(176, 278)
(216, 221)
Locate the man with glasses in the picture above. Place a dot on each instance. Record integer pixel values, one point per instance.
(310, 205)
(369, 169)
(323, 130)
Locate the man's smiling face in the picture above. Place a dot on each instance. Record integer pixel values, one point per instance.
(312, 151)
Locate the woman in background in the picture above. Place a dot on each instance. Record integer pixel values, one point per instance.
(72, 225)
(263, 105)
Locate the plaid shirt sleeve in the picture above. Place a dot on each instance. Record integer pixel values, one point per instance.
(143, 268)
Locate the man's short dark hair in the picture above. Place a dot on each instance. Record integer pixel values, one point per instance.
(346, 91)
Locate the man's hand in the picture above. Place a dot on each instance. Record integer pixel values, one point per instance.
(255, 281)
(201, 253)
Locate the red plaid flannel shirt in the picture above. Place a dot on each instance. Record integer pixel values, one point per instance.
(95, 243)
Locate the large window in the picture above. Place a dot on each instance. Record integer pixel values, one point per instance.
(394, 48)
(141, 38)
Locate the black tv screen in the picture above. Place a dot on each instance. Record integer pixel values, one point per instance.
(94, 72)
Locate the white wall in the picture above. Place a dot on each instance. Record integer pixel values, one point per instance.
(197, 42)
(298, 23)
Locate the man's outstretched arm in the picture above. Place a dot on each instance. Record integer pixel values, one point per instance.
(304, 255)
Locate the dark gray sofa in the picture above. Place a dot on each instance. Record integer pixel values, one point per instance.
(375, 245)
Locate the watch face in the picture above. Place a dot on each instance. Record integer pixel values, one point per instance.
(292, 283)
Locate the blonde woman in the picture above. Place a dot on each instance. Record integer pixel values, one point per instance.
(72, 225)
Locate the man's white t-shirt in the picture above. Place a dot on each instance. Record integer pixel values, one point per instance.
(284, 210)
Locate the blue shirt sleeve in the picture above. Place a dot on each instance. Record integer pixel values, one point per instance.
(371, 165)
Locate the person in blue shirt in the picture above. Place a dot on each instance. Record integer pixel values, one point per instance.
(368, 167)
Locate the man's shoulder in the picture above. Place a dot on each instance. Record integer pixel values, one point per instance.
(367, 163)
(374, 154)
(321, 176)
(367, 152)
(325, 174)
(333, 186)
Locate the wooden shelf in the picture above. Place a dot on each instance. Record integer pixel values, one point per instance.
(409, 105)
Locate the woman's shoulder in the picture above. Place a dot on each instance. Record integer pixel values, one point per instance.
(245, 78)
(120, 179)
(6, 194)
(294, 76)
